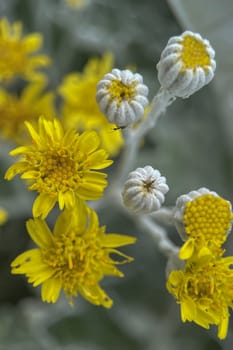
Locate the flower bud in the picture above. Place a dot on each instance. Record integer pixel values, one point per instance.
(186, 64)
(122, 97)
(144, 190)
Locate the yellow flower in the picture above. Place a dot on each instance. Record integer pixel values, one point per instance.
(18, 54)
(80, 109)
(75, 257)
(61, 166)
(14, 110)
(204, 291)
(204, 220)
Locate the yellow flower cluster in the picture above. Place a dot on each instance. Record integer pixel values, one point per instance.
(61, 159)
(62, 166)
(204, 287)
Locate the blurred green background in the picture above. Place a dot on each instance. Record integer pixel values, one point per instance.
(191, 146)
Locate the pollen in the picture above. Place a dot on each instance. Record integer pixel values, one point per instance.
(194, 53)
(208, 216)
(120, 91)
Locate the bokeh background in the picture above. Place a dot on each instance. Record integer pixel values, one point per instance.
(192, 146)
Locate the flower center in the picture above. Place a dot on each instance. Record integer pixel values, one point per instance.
(121, 92)
(207, 281)
(194, 53)
(58, 172)
(71, 258)
(208, 216)
(148, 185)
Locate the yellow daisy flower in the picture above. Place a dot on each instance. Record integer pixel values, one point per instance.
(61, 166)
(75, 257)
(15, 110)
(204, 291)
(18, 54)
(80, 109)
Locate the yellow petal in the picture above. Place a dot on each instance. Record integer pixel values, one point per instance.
(43, 204)
(35, 136)
(50, 290)
(40, 232)
(97, 160)
(15, 169)
(95, 294)
(88, 142)
(223, 326)
(188, 310)
(31, 256)
(113, 240)
(187, 249)
(32, 42)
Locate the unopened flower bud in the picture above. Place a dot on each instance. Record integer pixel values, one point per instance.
(186, 64)
(144, 190)
(122, 97)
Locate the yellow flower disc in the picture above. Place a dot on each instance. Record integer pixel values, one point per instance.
(194, 53)
(209, 217)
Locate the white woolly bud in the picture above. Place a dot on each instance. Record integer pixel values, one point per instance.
(122, 97)
(144, 190)
(186, 64)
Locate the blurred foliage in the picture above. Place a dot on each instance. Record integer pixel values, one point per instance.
(191, 146)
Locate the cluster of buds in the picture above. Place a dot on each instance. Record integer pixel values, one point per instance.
(186, 64)
(202, 283)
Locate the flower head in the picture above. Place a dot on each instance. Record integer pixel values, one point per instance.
(18, 54)
(80, 109)
(75, 257)
(61, 166)
(186, 64)
(204, 220)
(144, 190)
(204, 291)
(122, 97)
(15, 110)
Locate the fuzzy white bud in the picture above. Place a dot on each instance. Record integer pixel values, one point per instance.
(122, 97)
(144, 190)
(186, 64)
